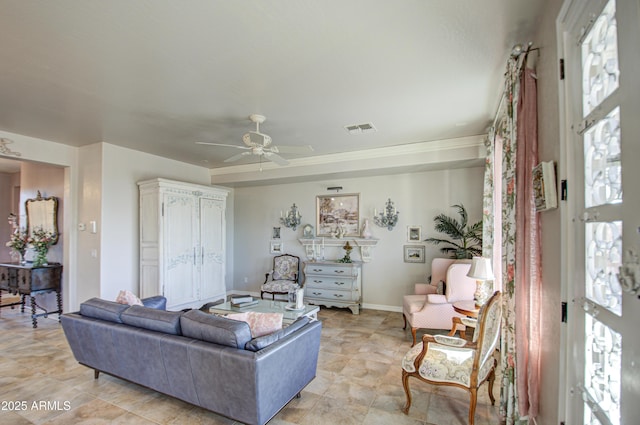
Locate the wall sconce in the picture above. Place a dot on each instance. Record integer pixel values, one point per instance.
(388, 218)
(481, 271)
(292, 219)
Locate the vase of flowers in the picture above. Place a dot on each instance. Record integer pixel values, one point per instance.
(40, 241)
(18, 243)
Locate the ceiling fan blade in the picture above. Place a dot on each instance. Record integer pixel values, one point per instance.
(276, 158)
(237, 157)
(292, 149)
(222, 144)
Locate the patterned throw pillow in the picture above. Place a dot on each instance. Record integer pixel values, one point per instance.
(260, 323)
(128, 297)
(441, 288)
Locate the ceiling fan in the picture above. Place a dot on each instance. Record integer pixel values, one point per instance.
(259, 144)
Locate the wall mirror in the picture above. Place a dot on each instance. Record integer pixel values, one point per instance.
(42, 212)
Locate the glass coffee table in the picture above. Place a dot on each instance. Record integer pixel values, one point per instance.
(289, 315)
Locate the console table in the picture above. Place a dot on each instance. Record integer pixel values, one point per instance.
(333, 284)
(27, 280)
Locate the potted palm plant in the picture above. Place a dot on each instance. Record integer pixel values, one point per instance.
(466, 239)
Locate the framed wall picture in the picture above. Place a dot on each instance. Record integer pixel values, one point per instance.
(275, 247)
(414, 253)
(276, 233)
(544, 186)
(338, 215)
(414, 233)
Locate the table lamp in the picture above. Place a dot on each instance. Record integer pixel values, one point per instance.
(481, 271)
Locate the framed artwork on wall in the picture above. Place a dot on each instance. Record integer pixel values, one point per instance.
(414, 233)
(276, 233)
(275, 247)
(414, 253)
(338, 215)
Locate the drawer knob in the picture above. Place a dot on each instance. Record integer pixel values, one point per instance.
(317, 270)
(338, 295)
(339, 283)
(317, 293)
(317, 281)
(339, 271)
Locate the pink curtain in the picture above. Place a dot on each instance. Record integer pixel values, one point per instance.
(527, 270)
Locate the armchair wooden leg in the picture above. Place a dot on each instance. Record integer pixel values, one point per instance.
(407, 391)
(413, 333)
(492, 378)
(405, 321)
(472, 405)
(96, 373)
(261, 295)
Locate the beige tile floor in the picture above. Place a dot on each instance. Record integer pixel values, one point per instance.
(358, 382)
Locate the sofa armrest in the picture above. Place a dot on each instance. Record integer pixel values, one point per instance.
(424, 289)
(158, 302)
(436, 299)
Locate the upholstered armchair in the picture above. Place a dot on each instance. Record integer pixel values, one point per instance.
(283, 278)
(446, 360)
(431, 307)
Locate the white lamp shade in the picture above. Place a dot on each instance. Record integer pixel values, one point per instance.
(481, 269)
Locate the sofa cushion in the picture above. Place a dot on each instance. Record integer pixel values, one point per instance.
(152, 319)
(102, 309)
(158, 302)
(259, 323)
(211, 328)
(257, 344)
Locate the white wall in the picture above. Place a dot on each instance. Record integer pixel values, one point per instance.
(549, 150)
(6, 207)
(418, 197)
(118, 219)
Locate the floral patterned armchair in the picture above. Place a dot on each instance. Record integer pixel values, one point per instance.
(283, 278)
(446, 360)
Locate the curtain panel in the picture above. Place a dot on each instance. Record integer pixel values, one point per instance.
(512, 234)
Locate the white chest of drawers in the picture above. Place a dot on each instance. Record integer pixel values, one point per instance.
(333, 284)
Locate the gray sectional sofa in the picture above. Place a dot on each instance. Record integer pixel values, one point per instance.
(203, 359)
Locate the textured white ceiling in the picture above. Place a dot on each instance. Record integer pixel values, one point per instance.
(159, 75)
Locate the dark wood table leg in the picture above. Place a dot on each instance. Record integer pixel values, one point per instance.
(34, 318)
(59, 299)
(22, 303)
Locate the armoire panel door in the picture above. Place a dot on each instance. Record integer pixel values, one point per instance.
(180, 234)
(212, 248)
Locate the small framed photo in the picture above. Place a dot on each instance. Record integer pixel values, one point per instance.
(307, 231)
(414, 253)
(275, 247)
(414, 233)
(276, 233)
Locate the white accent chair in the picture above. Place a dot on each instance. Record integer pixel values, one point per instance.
(427, 309)
(446, 360)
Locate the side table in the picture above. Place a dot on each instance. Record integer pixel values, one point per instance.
(469, 309)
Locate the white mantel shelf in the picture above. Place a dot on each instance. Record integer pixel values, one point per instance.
(364, 245)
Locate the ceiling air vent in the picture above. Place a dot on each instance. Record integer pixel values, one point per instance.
(360, 128)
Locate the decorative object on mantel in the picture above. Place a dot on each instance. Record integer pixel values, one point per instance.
(482, 272)
(18, 243)
(366, 231)
(338, 215)
(40, 241)
(365, 246)
(5, 150)
(388, 218)
(347, 253)
(292, 219)
(466, 239)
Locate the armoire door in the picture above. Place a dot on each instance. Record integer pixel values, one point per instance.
(212, 248)
(180, 233)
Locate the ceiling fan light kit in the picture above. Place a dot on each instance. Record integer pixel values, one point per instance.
(259, 144)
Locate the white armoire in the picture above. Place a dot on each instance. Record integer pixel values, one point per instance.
(182, 242)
